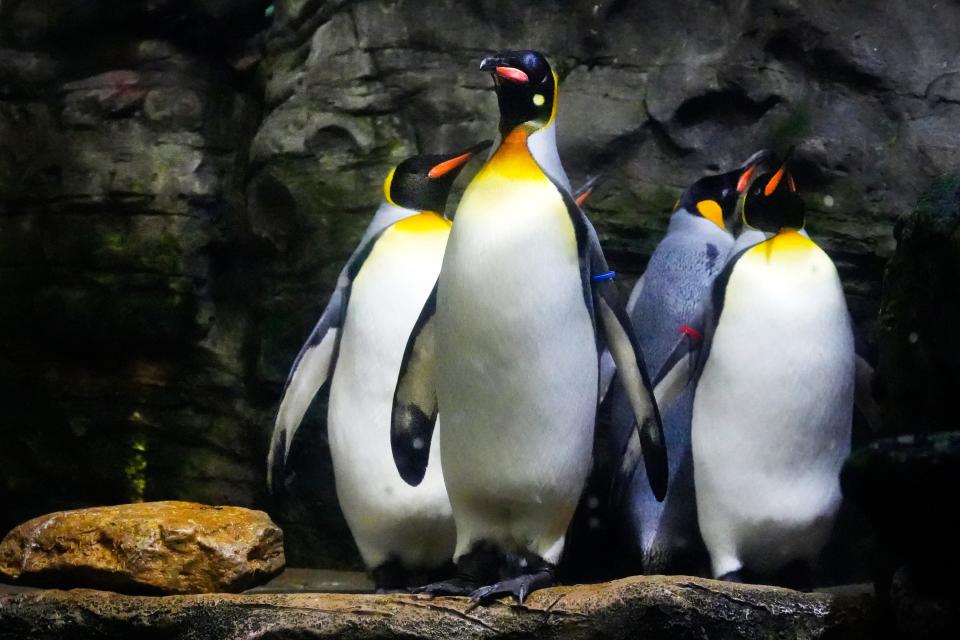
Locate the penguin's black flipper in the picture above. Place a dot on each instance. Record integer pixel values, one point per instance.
(415, 399)
(608, 368)
(632, 374)
(313, 366)
(611, 321)
(310, 371)
(679, 368)
(677, 372)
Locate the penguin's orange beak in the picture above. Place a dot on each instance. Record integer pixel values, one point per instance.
(445, 167)
(744, 180)
(774, 181)
(749, 168)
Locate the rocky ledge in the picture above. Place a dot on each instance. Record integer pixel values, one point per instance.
(151, 547)
(639, 607)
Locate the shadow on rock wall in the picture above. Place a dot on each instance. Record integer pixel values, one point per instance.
(181, 180)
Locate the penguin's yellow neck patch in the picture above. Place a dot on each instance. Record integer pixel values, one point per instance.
(423, 222)
(512, 159)
(386, 187)
(556, 95)
(786, 245)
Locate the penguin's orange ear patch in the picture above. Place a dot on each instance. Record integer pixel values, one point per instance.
(514, 74)
(745, 179)
(712, 211)
(774, 181)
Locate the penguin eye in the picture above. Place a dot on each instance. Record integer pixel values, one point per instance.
(538, 99)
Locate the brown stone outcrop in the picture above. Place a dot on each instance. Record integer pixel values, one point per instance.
(151, 547)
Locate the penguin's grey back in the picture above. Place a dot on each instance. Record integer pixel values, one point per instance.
(678, 278)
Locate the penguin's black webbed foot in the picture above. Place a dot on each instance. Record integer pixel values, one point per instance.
(451, 587)
(390, 577)
(798, 575)
(521, 587)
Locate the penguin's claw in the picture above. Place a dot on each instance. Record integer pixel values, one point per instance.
(451, 587)
(520, 587)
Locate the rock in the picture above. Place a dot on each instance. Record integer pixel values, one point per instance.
(922, 611)
(919, 365)
(641, 607)
(151, 547)
(181, 181)
(907, 487)
(39, 21)
(126, 312)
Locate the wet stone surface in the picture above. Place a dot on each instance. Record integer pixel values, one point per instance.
(649, 607)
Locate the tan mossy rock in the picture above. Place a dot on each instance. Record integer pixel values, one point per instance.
(647, 607)
(151, 547)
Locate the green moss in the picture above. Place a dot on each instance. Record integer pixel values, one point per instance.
(791, 128)
(136, 467)
(941, 203)
(135, 470)
(168, 253)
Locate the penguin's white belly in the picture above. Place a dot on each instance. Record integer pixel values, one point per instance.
(517, 368)
(386, 516)
(772, 413)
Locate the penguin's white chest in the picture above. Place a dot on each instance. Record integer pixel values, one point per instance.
(386, 516)
(773, 409)
(517, 368)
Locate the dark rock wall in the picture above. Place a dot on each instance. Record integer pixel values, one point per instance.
(127, 318)
(180, 181)
(918, 370)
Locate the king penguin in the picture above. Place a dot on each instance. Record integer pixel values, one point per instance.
(506, 350)
(662, 536)
(402, 532)
(774, 397)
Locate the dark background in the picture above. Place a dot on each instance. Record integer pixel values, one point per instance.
(181, 180)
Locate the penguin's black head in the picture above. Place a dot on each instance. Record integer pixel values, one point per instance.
(423, 182)
(526, 88)
(715, 197)
(772, 202)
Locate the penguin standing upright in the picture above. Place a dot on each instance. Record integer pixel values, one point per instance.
(506, 350)
(774, 395)
(401, 531)
(662, 304)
